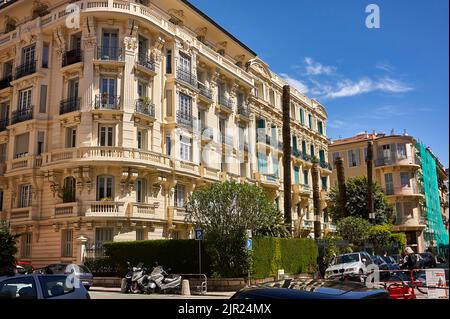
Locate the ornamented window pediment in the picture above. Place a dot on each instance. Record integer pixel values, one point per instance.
(258, 67)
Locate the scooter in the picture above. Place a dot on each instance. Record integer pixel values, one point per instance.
(165, 282)
(137, 280)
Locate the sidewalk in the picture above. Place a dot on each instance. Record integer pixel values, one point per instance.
(208, 294)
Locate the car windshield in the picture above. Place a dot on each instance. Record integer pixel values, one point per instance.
(57, 268)
(84, 269)
(345, 259)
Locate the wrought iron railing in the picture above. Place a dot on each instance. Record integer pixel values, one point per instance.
(184, 119)
(226, 102)
(146, 61)
(107, 53)
(107, 101)
(72, 57)
(204, 91)
(3, 124)
(325, 165)
(187, 77)
(244, 111)
(71, 104)
(22, 115)
(145, 107)
(25, 69)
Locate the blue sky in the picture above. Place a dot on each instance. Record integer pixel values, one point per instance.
(395, 77)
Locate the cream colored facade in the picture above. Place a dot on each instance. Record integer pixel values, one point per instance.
(107, 126)
(396, 169)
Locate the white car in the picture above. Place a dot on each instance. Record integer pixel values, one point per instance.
(38, 286)
(353, 264)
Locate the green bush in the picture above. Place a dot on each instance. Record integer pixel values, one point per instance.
(295, 255)
(269, 254)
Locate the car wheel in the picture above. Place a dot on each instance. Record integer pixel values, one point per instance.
(361, 275)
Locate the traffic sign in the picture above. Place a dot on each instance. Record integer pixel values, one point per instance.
(249, 244)
(199, 234)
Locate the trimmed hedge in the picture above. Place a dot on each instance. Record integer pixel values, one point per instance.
(295, 256)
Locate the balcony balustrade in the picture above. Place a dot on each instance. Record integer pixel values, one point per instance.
(187, 77)
(25, 69)
(401, 160)
(204, 91)
(146, 61)
(107, 53)
(184, 119)
(71, 104)
(244, 111)
(72, 57)
(107, 102)
(22, 115)
(225, 102)
(145, 107)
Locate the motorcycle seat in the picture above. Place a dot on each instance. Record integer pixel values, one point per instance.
(170, 279)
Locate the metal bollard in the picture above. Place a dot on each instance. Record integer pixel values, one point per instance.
(185, 290)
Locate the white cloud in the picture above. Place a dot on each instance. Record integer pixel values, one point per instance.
(385, 67)
(347, 87)
(336, 124)
(316, 68)
(299, 85)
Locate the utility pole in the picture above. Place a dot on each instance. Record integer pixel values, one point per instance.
(339, 164)
(287, 157)
(369, 162)
(316, 199)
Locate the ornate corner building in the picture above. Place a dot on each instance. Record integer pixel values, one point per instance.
(112, 112)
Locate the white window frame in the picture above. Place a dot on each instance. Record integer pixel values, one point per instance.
(104, 180)
(179, 196)
(185, 149)
(25, 98)
(25, 195)
(67, 243)
(104, 129)
(71, 137)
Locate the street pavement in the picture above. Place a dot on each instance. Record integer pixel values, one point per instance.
(114, 293)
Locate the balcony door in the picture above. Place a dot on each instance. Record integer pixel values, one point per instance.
(28, 54)
(110, 41)
(185, 63)
(108, 87)
(106, 135)
(389, 181)
(24, 100)
(73, 89)
(105, 188)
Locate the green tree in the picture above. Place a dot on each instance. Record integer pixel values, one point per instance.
(225, 211)
(380, 237)
(356, 190)
(355, 230)
(8, 249)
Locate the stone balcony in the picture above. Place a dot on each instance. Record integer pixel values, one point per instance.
(105, 209)
(143, 210)
(24, 162)
(63, 210)
(21, 214)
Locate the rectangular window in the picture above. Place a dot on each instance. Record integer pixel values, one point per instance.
(169, 61)
(185, 105)
(389, 182)
(142, 89)
(310, 121)
(45, 55)
(305, 177)
(262, 163)
(40, 142)
(24, 99)
(179, 195)
(322, 156)
(140, 234)
(320, 127)
(103, 235)
(142, 139)
(25, 196)
(294, 143)
(399, 214)
(108, 91)
(302, 116)
(105, 188)
(3, 153)
(72, 88)
(185, 148)
(353, 158)
(312, 153)
(67, 243)
(28, 54)
(185, 63)
(106, 135)
(297, 175)
(21, 147)
(110, 45)
(275, 166)
(141, 193)
(43, 99)
(324, 183)
(26, 242)
(405, 179)
(168, 146)
(401, 151)
(365, 154)
(71, 137)
(304, 147)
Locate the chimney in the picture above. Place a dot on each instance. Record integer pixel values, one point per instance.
(405, 133)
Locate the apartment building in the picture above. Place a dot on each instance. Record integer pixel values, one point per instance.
(106, 126)
(399, 170)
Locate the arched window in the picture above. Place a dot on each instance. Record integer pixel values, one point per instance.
(69, 190)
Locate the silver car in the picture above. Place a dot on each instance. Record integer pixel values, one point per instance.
(38, 286)
(81, 272)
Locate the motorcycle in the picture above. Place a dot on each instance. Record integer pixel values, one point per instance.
(137, 280)
(165, 282)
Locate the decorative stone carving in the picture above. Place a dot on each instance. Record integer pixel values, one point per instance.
(59, 37)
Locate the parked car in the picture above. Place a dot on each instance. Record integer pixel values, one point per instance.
(382, 265)
(26, 265)
(398, 259)
(39, 286)
(81, 272)
(311, 289)
(349, 265)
